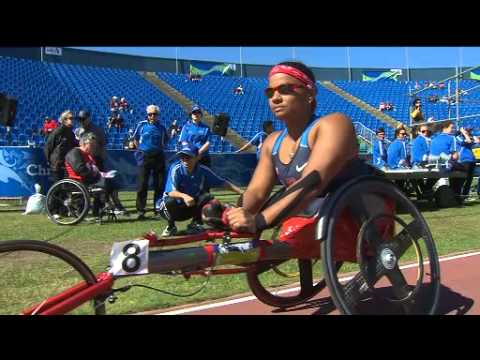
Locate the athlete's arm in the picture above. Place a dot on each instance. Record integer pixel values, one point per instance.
(330, 153)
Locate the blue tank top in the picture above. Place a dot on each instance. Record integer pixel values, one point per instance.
(287, 174)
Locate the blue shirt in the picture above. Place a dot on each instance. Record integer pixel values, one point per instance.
(443, 143)
(466, 153)
(196, 134)
(421, 149)
(258, 140)
(379, 153)
(198, 182)
(397, 153)
(151, 137)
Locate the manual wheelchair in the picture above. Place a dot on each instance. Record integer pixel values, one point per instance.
(69, 201)
(376, 251)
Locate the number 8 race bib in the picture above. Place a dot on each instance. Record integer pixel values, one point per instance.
(129, 258)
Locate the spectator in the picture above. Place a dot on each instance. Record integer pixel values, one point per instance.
(114, 104)
(115, 121)
(123, 104)
(380, 149)
(197, 133)
(238, 90)
(466, 157)
(397, 151)
(381, 107)
(416, 111)
(59, 143)
(188, 190)
(441, 85)
(417, 86)
(81, 166)
(259, 138)
(433, 98)
(194, 77)
(150, 139)
(49, 125)
(444, 147)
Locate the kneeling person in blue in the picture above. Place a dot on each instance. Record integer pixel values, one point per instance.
(187, 190)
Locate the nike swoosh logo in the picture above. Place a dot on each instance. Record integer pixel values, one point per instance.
(300, 169)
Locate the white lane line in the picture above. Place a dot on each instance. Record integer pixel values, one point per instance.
(285, 291)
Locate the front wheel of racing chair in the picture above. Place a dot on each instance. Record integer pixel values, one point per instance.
(390, 261)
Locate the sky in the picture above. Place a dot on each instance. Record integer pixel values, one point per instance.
(381, 57)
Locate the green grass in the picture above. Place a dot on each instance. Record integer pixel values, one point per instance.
(454, 230)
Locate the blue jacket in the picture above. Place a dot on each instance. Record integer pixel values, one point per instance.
(466, 153)
(420, 149)
(198, 182)
(443, 143)
(379, 153)
(397, 154)
(196, 134)
(151, 137)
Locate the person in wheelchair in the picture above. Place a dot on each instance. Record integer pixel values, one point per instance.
(311, 157)
(188, 189)
(81, 166)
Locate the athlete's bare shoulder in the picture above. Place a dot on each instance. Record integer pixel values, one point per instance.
(331, 125)
(270, 140)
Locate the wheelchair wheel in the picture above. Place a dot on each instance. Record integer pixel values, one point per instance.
(391, 258)
(33, 271)
(265, 274)
(68, 202)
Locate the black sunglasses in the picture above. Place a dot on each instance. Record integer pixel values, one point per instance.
(151, 114)
(284, 89)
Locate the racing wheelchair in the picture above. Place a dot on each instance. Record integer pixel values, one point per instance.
(69, 201)
(376, 251)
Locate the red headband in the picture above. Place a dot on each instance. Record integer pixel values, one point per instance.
(297, 74)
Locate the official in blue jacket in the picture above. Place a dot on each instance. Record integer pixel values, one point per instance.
(421, 146)
(444, 145)
(151, 138)
(397, 151)
(420, 156)
(466, 141)
(380, 149)
(197, 133)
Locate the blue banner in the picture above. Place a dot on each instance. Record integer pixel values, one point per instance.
(22, 167)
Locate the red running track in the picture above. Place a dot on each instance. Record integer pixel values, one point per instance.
(460, 278)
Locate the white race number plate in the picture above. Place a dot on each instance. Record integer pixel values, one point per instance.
(129, 258)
